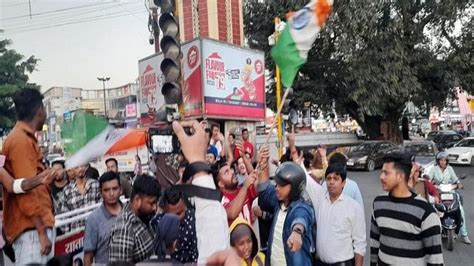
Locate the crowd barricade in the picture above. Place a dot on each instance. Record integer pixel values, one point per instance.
(72, 242)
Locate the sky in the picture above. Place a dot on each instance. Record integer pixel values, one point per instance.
(101, 38)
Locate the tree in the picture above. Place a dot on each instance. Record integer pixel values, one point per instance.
(373, 57)
(13, 77)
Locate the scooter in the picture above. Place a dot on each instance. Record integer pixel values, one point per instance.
(450, 213)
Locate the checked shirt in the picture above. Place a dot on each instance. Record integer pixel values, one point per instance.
(130, 239)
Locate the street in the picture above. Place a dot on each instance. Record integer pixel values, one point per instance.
(370, 187)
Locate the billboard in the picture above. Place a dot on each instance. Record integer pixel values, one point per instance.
(219, 81)
(192, 69)
(234, 81)
(151, 81)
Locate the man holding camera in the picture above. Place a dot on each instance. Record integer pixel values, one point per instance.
(212, 230)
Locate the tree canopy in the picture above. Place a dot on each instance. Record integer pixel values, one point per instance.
(14, 72)
(373, 57)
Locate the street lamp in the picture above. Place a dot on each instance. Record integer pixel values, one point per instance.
(104, 79)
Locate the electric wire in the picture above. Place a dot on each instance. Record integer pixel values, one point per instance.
(71, 23)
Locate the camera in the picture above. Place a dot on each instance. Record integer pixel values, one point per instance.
(162, 140)
(151, 39)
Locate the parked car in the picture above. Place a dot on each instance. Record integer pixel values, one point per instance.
(425, 152)
(369, 154)
(444, 139)
(462, 152)
(434, 133)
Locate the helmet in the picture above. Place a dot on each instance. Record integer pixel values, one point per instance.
(293, 174)
(441, 155)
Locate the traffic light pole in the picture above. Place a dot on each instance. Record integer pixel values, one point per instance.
(278, 96)
(156, 33)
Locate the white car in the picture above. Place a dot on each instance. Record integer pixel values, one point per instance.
(462, 152)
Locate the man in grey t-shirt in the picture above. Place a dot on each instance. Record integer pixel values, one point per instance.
(100, 221)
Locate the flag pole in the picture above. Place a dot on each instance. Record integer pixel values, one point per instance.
(278, 95)
(277, 115)
(274, 123)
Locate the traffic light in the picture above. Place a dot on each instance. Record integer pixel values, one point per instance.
(170, 46)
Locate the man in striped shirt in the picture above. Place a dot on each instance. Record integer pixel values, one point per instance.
(405, 229)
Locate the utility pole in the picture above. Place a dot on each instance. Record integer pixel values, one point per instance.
(104, 79)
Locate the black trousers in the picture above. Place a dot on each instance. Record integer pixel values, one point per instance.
(350, 262)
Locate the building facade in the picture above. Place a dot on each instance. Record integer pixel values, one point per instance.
(216, 19)
(121, 103)
(59, 102)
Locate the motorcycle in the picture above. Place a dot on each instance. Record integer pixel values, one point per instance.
(450, 213)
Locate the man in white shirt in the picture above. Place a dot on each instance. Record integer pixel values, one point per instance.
(341, 235)
(212, 230)
(337, 234)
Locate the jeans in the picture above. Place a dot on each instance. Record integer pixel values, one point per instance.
(28, 248)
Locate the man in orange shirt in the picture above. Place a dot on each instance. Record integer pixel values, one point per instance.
(28, 218)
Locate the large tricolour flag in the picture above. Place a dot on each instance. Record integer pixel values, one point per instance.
(291, 50)
(88, 137)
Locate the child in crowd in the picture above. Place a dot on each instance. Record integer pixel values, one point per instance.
(244, 241)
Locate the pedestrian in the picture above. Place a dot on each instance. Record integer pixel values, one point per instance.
(173, 202)
(137, 169)
(291, 234)
(131, 238)
(100, 221)
(236, 200)
(212, 230)
(244, 240)
(341, 236)
(319, 164)
(217, 141)
(405, 229)
(351, 188)
(241, 170)
(59, 184)
(443, 173)
(91, 172)
(112, 165)
(166, 238)
(81, 192)
(211, 155)
(152, 165)
(246, 144)
(422, 186)
(28, 218)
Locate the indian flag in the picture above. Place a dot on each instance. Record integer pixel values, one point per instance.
(291, 50)
(88, 137)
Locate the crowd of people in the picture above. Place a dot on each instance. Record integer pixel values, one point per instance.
(224, 207)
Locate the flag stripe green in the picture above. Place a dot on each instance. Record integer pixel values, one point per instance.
(287, 56)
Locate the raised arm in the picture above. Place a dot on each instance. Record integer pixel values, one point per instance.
(26, 184)
(229, 151)
(234, 207)
(247, 162)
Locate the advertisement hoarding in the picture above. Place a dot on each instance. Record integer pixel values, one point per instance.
(234, 81)
(192, 75)
(219, 81)
(151, 81)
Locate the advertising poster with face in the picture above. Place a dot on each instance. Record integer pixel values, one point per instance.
(234, 81)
